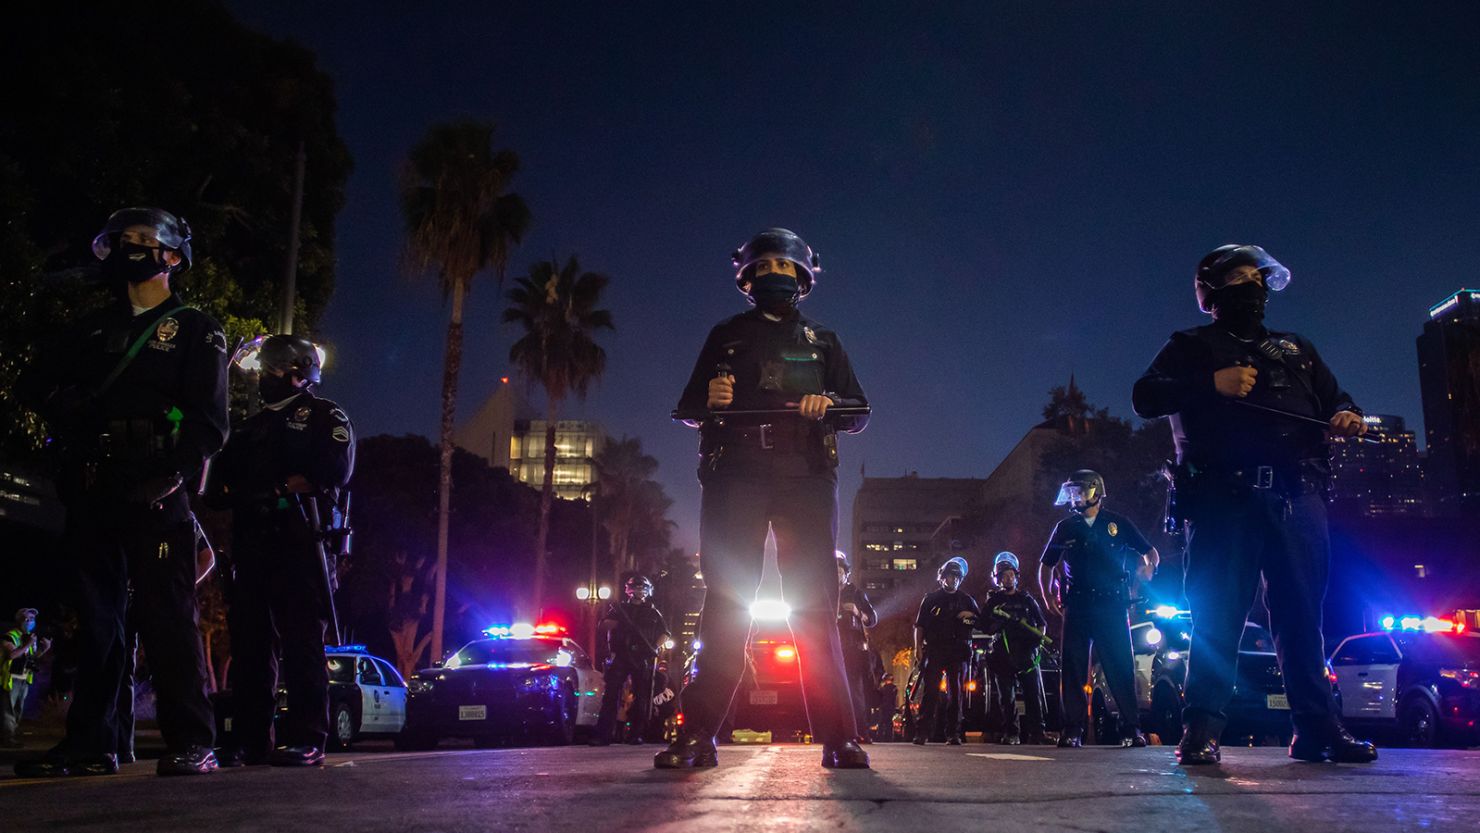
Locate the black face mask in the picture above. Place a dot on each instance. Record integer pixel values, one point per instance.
(132, 263)
(276, 388)
(1240, 307)
(774, 292)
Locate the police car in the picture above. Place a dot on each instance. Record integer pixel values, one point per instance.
(1259, 709)
(520, 680)
(367, 697)
(770, 695)
(1420, 675)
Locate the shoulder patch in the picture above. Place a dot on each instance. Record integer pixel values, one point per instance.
(340, 434)
(167, 329)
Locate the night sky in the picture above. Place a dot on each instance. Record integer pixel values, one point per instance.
(1002, 193)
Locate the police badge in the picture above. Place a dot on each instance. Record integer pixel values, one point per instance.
(167, 329)
(810, 334)
(1112, 529)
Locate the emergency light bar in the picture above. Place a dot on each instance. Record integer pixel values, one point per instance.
(1426, 624)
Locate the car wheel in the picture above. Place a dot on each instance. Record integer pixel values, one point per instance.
(342, 727)
(1166, 716)
(1418, 721)
(563, 732)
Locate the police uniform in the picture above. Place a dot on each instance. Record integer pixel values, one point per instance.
(1252, 488)
(632, 651)
(947, 650)
(152, 426)
(1013, 661)
(278, 598)
(770, 473)
(858, 660)
(1095, 553)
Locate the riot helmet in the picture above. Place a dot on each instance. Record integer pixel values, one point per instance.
(954, 568)
(638, 588)
(1003, 562)
(843, 565)
(291, 354)
(1213, 270)
(1084, 489)
(133, 259)
(775, 242)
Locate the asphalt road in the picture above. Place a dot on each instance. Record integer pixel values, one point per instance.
(911, 789)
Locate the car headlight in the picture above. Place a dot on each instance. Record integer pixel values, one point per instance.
(416, 686)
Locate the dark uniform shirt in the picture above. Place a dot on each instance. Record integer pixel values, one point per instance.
(1015, 643)
(774, 363)
(639, 629)
(850, 627)
(181, 369)
(1209, 429)
(941, 625)
(1095, 555)
(305, 435)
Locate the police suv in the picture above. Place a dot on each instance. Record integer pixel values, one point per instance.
(1420, 675)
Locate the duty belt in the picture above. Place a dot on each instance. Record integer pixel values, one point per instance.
(779, 437)
(1303, 478)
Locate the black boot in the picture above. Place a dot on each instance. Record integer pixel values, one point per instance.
(1071, 740)
(1331, 742)
(1135, 740)
(1199, 746)
(296, 756)
(845, 755)
(688, 751)
(194, 760)
(235, 756)
(57, 763)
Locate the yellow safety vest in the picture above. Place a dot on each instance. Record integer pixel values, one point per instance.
(6, 681)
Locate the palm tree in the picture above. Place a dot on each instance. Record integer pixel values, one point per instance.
(621, 470)
(460, 221)
(556, 306)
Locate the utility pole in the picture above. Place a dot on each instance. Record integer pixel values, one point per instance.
(290, 270)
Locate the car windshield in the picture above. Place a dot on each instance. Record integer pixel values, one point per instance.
(341, 669)
(1442, 648)
(510, 652)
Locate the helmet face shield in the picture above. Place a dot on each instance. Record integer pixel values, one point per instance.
(1078, 495)
(1216, 273)
(153, 224)
(773, 243)
(638, 588)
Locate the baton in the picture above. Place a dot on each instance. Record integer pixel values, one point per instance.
(700, 416)
(1369, 437)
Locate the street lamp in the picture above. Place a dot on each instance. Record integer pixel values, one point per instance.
(593, 594)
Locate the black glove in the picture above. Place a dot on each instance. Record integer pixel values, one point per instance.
(152, 490)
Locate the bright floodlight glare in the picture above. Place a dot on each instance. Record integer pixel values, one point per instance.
(1153, 637)
(668, 644)
(604, 593)
(1387, 623)
(521, 630)
(697, 645)
(1165, 611)
(583, 593)
(769, 610)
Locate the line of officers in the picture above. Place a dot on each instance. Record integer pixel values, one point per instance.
(135, 397)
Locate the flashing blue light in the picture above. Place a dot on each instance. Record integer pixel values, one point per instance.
(1388, 622)
(1153, 637)
(498, 631)
(1410, 623)
(346, 649)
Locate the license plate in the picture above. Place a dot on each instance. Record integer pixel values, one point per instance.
(472, 712)
(1277, 701)
(763, 698)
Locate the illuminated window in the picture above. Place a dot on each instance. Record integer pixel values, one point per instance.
(905, 564)
(1420, 571)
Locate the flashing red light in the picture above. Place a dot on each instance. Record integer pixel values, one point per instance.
(1459, 627)
(786, 653)
(549, 629)
(679, 718)
(503, 380)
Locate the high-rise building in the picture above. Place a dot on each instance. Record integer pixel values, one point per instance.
(576, 443)
(1377, 479)
(895, 521)
(503, 433)
(1449, 375)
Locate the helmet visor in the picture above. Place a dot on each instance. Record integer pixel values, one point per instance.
(152, 224)
(1077, 495)
(1276, 276)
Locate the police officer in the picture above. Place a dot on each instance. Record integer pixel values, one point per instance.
(943, 629)
(1094, 545)
(282, 473)
(135, 398)
(635, 635)
(772, 471)
(1017, 622)
(856, 614)
(1251, 487)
